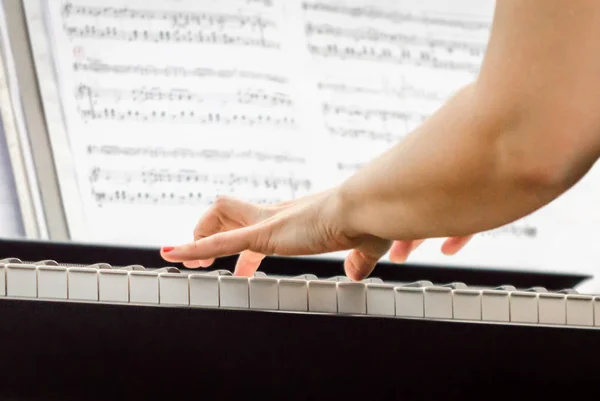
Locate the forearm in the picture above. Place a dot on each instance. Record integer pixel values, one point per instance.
(461, 173)
(520, 136)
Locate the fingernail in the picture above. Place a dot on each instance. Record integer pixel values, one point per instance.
(168, 249)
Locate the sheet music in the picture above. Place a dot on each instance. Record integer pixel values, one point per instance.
(169, 103)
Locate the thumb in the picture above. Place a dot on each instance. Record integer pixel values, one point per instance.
(361, 261)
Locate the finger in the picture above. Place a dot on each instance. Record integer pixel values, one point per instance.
(221, 244)
(225, 214)
(454, 244)
(401, 250)
(192, 264)
(360, 262)
(248, 263)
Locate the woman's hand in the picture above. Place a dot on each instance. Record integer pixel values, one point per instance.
(311, 225)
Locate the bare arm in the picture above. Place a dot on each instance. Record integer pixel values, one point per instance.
(508, 144)
(521, 135)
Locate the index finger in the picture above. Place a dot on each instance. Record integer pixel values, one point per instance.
(218, 245)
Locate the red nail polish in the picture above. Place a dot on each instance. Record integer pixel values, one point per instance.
(168, 249)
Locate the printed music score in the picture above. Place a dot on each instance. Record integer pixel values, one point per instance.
(188, 153)
(190, 176)
(181, 187)
(412, 42)
(169, 26)
(181, 105)
(382, 68)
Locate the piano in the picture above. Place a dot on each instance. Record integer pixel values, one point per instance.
(81, 321)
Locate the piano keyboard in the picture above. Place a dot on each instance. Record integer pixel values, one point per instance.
(137, 285)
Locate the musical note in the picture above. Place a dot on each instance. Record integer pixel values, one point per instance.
(402, 56)
(389, 137)
(519, 229)
(224, 29)
(153, 176)
(175, 18)
(168, 36)
(404, 91)
(188, 153)
(101, 67)
(397, 39)
(399, 17)
(253, 96)
(185, 116)
(158, 198)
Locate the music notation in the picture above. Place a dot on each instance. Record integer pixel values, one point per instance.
(399, 17)
(153, 176)
(177, 26)
(242, 96)
(352, 167)
(182, 186)
(517, 229)
(168, 36)
(169, 198)
(390, 137)
(101, 67)
(398, 39)
(391, 36)
(402, 56)
(176, 18)
(187, 153)
(403, 91)
(185, 117)
(364, 113)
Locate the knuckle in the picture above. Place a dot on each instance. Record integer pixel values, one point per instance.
(220, 202)
(263, 242)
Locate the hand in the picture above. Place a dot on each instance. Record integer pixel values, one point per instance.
(402, 249)
(311, 225)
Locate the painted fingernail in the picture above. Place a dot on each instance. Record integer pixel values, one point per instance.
(168, 249)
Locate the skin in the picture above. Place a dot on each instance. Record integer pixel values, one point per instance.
(504, 146)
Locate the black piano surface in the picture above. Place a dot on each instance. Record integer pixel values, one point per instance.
(78, 351)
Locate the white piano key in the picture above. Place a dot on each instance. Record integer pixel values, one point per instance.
(264, 292)
(83, 283)
(113, 285)
(234, 292)
(3, 263)
(437, 302)
(523, 306)
(552, 308)
(143, 287)
(466, 304)
(597, 310)
(372, 280)
(322, 296)
(380, 299)
(410, 301)
(21, 280)
(204, 290)
(293, 294)
(174, 289)
(46, 262)
(495, 305)
(580, 310)
(52, 282)
(351, 297)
